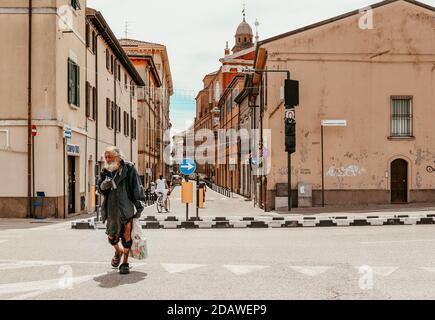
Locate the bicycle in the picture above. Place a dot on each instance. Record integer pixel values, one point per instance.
(160, 203)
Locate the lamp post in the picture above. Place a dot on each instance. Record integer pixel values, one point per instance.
(328, 123)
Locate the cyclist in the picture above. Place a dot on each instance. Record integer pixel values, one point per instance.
(162, 189)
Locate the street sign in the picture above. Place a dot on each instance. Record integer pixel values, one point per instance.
(67, 132)
(290, 115)
(188, 167)
(72, 150)
(34, 131)
(334, 123)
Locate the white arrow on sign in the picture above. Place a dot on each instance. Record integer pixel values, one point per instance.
(187, 166)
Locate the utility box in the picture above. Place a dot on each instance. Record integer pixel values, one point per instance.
(305, 195)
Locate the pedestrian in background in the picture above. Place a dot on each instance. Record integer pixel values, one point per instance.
(123, 193)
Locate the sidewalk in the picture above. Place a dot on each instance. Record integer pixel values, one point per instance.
(236, 212)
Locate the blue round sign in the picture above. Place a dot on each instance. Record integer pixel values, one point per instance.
(188, 167)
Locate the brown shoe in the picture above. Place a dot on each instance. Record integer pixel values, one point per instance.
(116, 261)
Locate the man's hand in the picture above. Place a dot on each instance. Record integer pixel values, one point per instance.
(140, 207)
(106, 185)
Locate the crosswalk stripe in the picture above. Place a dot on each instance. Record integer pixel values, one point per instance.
(311, 271)
(242, 270)
(44, 285)
(179, 268)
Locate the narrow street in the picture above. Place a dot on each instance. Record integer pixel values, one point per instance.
(311, 263)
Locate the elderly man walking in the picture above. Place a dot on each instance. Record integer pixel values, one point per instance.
(124, 199)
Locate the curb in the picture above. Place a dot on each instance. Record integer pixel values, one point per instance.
(171, 222)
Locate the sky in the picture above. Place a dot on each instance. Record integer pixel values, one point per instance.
(195, 32)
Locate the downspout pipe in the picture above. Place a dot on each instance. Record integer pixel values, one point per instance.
(130, 121)
(115, 78)
(29, 118)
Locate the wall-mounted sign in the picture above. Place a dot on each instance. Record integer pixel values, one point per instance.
(334, 123)
(72, 150)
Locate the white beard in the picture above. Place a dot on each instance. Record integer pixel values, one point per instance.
(112, 167)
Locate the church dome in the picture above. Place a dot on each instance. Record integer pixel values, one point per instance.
(244, 29)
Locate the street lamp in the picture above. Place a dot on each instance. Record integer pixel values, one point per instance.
(328, 123)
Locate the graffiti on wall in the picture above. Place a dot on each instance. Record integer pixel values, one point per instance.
(430, 169)
(350, 171)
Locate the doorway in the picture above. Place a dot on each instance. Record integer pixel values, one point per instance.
(71, 185)
(399, 182)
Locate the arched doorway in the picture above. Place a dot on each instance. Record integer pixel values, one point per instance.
(399, 181)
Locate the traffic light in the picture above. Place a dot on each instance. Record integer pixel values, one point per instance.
(290, 137)
(291, 93)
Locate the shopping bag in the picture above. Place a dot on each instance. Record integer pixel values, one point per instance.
(139, 249)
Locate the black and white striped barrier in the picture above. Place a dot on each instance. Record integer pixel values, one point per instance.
(161, 222)
(164, 222)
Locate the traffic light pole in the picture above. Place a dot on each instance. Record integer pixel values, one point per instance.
(289, 155)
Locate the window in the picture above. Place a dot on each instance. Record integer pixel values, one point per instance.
(87, 35)
(134, 129)
(119, 72)
(111, 63)
(94, 103)
(107, 60)
(88, 99)
(126, 124)
(94, 42)
(401, 116)
(108, 113)
(229, 103)
(125, 80)
(73, 83)
(75, 4)
(113, 119)
(118, 119)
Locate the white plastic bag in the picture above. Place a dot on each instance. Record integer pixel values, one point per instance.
(139, 249)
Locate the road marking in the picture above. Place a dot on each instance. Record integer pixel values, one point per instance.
(43, 286)
(384, 271)
(22, 264)
(178, 268)
(242, 270)
(311, 271)
(398, 241)
(428, 269)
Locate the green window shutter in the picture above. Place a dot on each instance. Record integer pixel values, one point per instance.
(78, 85)
(69, 82)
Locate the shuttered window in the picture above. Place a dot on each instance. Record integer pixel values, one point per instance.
(94, 104)
(113, 120)
(75, 4)
(73, 83)
(88, 99)
(108, 113)
(126, 124)
(118, 119)
(401, 116)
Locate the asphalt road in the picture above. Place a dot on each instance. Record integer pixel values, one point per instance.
(55, 262)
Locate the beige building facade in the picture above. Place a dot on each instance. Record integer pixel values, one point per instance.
(152, 62)
(375, 69)
(81, 81)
